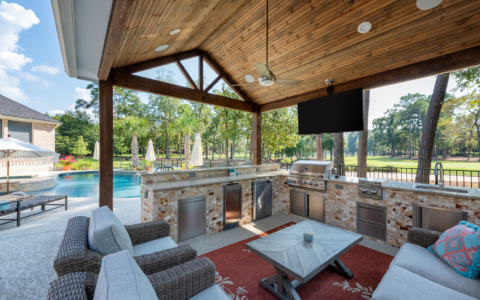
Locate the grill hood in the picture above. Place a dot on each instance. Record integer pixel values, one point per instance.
(310, 167)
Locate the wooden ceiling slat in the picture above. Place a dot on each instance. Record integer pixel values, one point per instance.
(304, 65)
(381, 59)
(438, 65)
(309, 40)
(336, 35)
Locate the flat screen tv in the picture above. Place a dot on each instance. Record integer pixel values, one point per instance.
(340, 112)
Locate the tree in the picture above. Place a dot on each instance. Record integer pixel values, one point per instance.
(319, 147)
(186, 124)
(74, 124)
(164, 110)
(279, 129)
(363, 138)
(133, 127)
(471, 104)
(467, 79)
(125, 102)
(430, 128)
(80, 147)
(408, 110)
(338, 152)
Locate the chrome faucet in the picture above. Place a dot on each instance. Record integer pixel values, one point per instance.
(440, 181)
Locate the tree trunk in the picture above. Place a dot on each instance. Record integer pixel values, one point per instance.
(167, 146)
(409, 136)
(232, 151)
(179, 146)
(206, 150)
(478, 138)
(226, 136)
(469, 151)
(363, 138)
(135, 161)
(444, 155)
(319, 147)
(338, 149)
(246, 149)
(186, 149)
(430, 128)
(213, 151)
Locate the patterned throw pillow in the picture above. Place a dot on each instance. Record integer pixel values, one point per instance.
(459, 247)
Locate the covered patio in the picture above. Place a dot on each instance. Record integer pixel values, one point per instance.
(256, 232)
(311, 42)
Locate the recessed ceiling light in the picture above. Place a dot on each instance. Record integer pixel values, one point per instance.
(175, 31)
(428, 4)
(249, 78)
(364, 27)
(161, 48)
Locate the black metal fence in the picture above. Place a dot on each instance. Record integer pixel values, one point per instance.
(460, 178)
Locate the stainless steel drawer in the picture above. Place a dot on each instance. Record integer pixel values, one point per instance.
(370, 229)
(372, 215)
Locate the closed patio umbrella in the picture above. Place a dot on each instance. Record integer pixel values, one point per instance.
(197, 159)
(13, 150)
(96, 151)
(150, 156)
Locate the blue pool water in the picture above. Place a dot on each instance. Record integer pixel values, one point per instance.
(86, 185)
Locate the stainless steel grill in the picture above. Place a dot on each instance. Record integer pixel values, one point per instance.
(309, 174)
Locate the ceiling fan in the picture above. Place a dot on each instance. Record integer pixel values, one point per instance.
(266, 76)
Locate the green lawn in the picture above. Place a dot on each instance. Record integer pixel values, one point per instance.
(378, 161)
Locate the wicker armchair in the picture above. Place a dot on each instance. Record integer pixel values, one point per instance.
(178, 283)
(75, 256)
(422, 237)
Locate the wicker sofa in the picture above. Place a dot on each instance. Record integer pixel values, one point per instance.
(416, 273)
(192, 280)
(74, 254)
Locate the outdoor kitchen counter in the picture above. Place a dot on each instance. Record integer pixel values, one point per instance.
(173, 185)
(409, 186)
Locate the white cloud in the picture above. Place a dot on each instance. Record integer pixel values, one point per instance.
(56, 112)
(82, 94)
(45, 69)
(14, 19)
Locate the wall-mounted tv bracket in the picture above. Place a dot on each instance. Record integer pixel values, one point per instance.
(329, 83)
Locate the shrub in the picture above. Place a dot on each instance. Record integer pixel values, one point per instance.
(67, 160)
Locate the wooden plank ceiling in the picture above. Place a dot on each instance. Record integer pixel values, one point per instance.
(309, 40)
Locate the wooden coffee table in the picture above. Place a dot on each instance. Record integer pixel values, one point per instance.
(291, 255)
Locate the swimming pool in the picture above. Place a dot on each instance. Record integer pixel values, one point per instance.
(86, 185)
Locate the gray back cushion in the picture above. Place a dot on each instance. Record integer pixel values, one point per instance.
(106, 233)
(121, 278)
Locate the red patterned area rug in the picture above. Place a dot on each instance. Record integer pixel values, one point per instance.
(239, 271)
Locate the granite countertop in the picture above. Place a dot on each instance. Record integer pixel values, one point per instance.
(401, 185)
(171, 185)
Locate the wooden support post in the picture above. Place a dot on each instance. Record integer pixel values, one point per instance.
(200, 71)
(106, 142)
(257, 136)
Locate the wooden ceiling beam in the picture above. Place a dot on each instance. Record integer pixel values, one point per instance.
(116, 27)
(158, 62)
(439, 65)
(186, 75)
(213, 83)
(152, 86)
(216, 67)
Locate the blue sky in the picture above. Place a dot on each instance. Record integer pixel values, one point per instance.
(32, 71)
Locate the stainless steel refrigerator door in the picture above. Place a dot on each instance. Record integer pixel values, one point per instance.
(192, 218)
(297, 203)
(316, 208)
(262, 199)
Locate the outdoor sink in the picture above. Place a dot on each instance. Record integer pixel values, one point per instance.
(439, 188)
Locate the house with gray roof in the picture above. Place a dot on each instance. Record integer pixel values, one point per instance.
(26, 124)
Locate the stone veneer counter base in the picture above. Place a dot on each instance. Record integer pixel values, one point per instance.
(161, 192)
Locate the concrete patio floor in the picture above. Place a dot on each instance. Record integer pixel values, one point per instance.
(27, 252)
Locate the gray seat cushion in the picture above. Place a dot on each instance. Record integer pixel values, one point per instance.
(106, 233)
(213, 292)
(401, 284)
(424, 263)
(154, 246)
(121, 278)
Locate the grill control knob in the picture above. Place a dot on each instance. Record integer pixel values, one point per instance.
(310, 183)
(364, 190)
(315, 183)
(374, 192)
(304, 182)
